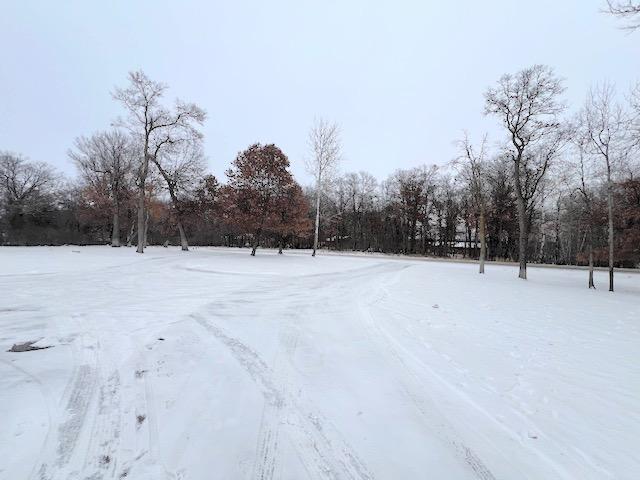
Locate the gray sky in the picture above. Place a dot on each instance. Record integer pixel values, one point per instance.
(402, 78)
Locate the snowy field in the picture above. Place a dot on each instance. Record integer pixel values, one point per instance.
(216, 365)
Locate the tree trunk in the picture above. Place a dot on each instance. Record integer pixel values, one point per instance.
(141, 218)
(280, 246)
(543, 240)
(115, 234)
(171, 186)
(132, 230)
(591, 284)
(610, 212)
(523, 237)
(254, 246)
(523, 224)
(183, 237)
(317, 225)
(483, 240)
(412, 236)
(145, 231)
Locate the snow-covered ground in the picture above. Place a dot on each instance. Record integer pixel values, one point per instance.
(216, 365)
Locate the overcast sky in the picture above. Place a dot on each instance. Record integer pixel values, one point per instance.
(402, 78)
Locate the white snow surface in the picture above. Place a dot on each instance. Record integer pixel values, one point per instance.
(213, 364)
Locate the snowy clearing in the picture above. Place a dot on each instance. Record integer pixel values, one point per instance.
(213, 364)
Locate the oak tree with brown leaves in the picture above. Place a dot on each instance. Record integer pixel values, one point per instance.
(259, 184)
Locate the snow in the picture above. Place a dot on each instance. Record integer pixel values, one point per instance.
(213, 364)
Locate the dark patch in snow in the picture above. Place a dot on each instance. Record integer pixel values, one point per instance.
(17, 309)
(141, 419)
(140, 373)
(27, 347)
(161, 339)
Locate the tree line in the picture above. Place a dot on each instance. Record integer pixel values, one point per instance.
(554, 187)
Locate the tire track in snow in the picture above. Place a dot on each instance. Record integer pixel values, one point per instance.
(413, 383)
(323, 452)
(443, 430)
(142, 422)
(102, 454)
(77, 406)
(77, 401)
(269, 450)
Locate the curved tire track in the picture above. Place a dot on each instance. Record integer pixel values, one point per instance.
(322, 450)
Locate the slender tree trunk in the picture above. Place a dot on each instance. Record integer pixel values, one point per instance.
(412, 236)
(280, 246)
(254, 246)
(141, 218)
(317, 225)
(115, 234)
(483, 239)
(557, 233)
(591, 284)
(132, 230)
(543, 240)
(610, 212)
(183, 236)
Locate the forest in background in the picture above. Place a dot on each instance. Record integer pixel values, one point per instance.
(568, 167)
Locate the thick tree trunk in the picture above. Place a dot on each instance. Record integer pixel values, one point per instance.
(610, 213)
(483, 240)
(171, 186)
(317, 225)
(523, 223)
(144, 170)
(183, 237)
(115, 234)
(145, 229)
(523, 238)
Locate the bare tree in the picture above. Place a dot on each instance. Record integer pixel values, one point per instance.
(629, 11)
(411, 190)
(582, 168)
(105, 161)
(528, 106)
(181, 169)
(360, 190)
(155, 127)
(324, 143)
(605, 125)
(473, 163)
(24, 185)
(635, 118)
